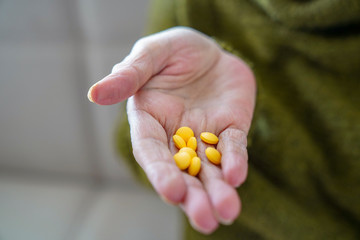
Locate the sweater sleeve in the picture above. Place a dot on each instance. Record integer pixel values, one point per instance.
(162, 16)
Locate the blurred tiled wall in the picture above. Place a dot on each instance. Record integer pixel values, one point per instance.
(59, 175)
(51, 52)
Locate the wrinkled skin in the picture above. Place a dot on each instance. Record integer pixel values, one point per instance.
(180, 77)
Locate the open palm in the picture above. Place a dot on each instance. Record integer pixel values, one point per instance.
(180, 77)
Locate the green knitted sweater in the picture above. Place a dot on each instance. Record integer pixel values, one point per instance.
(304, 144)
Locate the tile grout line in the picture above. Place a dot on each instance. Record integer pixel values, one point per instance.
(82, 213)
(88, 123)
(81, 71)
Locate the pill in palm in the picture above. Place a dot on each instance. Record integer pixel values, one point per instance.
(185, 133)
(209, 138)
(213, 155)
(179, 141)
(192, 143)
(190, 151)
(187, 158)
(182, 160)
(195, 166)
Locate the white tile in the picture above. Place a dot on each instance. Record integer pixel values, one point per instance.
(45, 71)
(32, 209)
(42, 115)
(113, 21)
(100, 60)
(130, 215)
(34, 21)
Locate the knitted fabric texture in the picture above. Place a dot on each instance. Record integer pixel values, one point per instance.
(304, 143)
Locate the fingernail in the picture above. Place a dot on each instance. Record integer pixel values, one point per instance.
(204, 230)
(89, 94)
(224, 221)
(167, 201)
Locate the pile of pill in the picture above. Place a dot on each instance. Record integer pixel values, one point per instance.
(186, 157)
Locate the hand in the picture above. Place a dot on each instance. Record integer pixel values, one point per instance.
(180, 77)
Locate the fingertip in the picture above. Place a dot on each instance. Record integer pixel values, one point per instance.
(167, 201)
(112, 89)
(236, 176)
(235, 170)
(205, 229)
(199, 211)
(234, 164)
(173, 191)
(230, 210)
(98, 94)
(168, 182)
(227, 204)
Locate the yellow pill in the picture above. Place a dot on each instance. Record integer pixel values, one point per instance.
(190, 151)
(209, 138)
(192, 143)
(195, 166)
(185, 133)
(182, 160)
(179, 142)
(213, 155)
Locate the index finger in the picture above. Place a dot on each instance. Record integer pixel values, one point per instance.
(151, 151)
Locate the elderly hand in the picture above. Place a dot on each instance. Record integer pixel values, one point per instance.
(180, 77)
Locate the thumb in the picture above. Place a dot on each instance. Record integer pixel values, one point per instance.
(147, 58)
